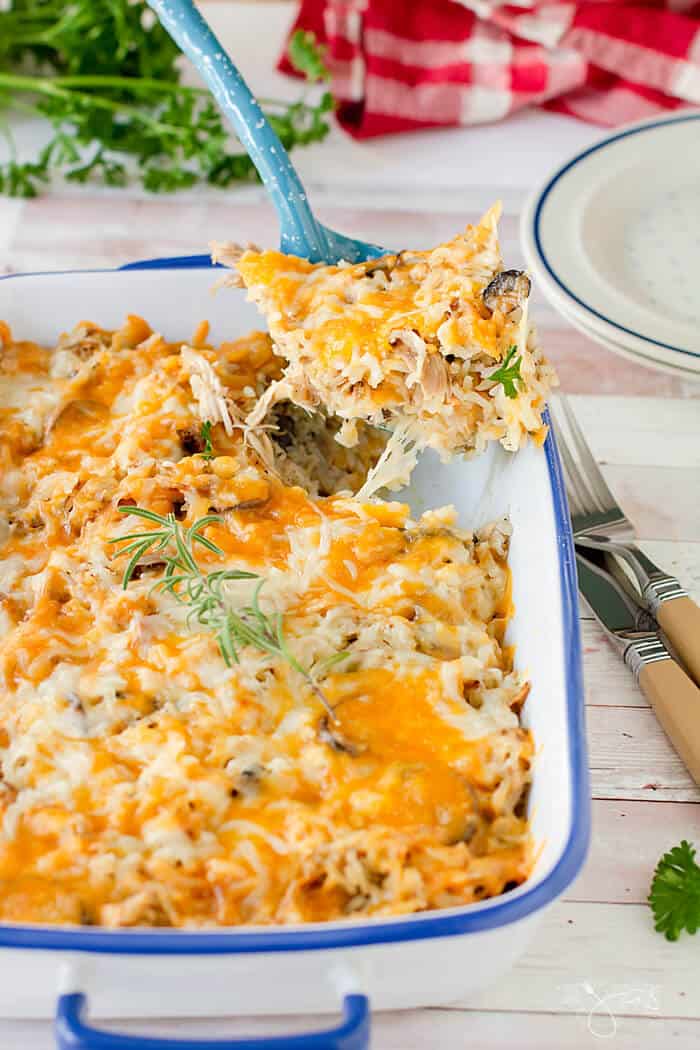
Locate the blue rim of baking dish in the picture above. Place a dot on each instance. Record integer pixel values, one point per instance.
(542, 200)
(497, 912)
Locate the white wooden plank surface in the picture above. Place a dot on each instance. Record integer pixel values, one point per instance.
(597, 970)
(653, 435)
(662, 501)
(628, 838)
(581, 1028)
(631, 758)
(609, 945)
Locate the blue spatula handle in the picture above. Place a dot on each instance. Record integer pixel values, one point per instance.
(300, 231)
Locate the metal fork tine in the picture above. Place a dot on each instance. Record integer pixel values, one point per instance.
(598, 522)
(581, 499)
(602, 496)
(595, 514)
(571, 477)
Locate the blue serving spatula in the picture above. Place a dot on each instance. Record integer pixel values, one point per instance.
(300, 231)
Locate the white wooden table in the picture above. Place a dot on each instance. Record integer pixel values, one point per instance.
(597, 971)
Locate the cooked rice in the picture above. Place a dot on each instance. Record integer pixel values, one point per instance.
(144, 782)
(406, 339)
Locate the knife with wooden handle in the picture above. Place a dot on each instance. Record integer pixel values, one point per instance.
(673, 696)
(676, 702)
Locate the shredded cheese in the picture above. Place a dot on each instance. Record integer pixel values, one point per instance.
(144, 782)
(408, 341)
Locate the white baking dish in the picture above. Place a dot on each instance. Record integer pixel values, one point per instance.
(405, 962)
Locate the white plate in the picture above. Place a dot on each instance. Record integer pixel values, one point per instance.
(624, 351)
(641, 350)
(613, 237)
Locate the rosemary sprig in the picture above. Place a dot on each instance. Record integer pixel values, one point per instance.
(508, 373)
(202, 592)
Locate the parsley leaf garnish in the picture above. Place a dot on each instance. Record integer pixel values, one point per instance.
(205, 434)
(675, 892)
(508, 373)
(202, 592)
(308, 56)
(105, 76)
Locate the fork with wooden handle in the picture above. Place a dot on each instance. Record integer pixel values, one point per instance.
(679, 619)
(600, 523)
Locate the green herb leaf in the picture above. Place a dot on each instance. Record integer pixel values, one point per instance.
(202, 592)
(22, 180)
(104, 74)
(308, 56)
(205, 434)
(675, 892)
(324, 666)
(112, 173)
(112, 36)
(508, 373)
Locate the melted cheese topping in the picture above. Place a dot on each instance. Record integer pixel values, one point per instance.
(145, 782)
(413, 339)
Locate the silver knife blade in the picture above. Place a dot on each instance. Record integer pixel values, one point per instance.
(617, 614)
(607, 563)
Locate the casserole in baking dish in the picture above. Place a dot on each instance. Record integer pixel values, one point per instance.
(527, 489)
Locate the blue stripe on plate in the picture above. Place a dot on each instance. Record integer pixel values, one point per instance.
(538, 240)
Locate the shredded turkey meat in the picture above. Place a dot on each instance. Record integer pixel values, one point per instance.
(438, 341)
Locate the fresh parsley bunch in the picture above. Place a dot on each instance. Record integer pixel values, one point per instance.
(104, 74)
(675, 892)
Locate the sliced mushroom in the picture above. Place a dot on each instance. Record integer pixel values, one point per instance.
(383, 265)
(285, 429)
(468, 830)
(147, 564)
(337, 740)
(88, 916)
(221, 507)
(520, 697)
(191, 441)
(251, 504)
(386, 263)
(247, 780)
(75, 702)
(507, 291)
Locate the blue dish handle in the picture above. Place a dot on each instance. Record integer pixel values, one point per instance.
(72, 1033)
(301, 233)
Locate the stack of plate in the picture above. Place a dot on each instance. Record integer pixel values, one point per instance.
(613, 239)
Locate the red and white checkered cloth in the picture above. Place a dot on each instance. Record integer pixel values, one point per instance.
(399, 65)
